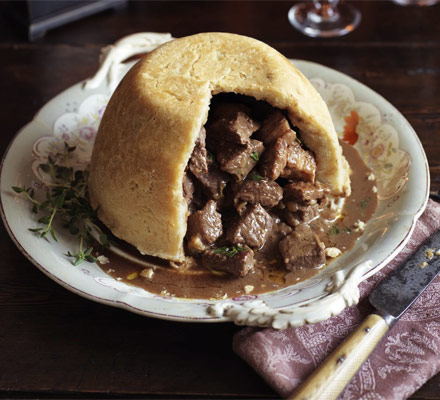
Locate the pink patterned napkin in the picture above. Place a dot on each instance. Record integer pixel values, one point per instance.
(405, 359)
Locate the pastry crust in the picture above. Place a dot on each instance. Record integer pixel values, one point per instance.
(153, 119)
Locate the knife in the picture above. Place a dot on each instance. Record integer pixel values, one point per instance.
(391, 298)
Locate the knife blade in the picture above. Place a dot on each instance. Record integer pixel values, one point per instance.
(397, 292)
(391, 298)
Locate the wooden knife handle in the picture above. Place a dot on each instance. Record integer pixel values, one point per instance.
(331, 377)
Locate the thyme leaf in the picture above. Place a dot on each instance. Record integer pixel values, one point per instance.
(334, 230)
(229, 251)
(364, 202)
(256, 177)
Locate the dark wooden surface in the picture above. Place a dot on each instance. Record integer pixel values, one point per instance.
(54, 344)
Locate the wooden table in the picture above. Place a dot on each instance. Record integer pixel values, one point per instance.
(54, 344)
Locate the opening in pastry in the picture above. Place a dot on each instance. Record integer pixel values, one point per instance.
(251, 187)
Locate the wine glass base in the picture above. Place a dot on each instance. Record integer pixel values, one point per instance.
(347, 19)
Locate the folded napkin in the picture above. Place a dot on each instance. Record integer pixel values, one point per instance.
(405, 359)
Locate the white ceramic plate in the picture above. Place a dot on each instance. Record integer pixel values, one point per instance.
(386, 142)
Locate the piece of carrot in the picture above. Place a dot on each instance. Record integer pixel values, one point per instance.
(350, 135)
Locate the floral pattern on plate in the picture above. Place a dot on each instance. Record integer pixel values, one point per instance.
(77, 128)
(363, 126)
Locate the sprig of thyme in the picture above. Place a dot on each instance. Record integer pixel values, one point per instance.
(82, 255)
(66, 201)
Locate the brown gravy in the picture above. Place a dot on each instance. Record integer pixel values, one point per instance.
(197, 282)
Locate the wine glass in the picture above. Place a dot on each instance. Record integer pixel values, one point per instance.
(324, 18)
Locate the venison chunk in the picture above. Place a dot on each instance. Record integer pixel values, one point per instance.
(251, 228)
(297, 213)
(239, 160)
(302, 249)
(198, 162)
(204, 227)
(272, 128)
(193, 192)
(213, 180)
(232, 123)
(188, 189)
(279, 231)
(304, 192)
(274, 158)
(300, 165)
(237, 263)
(267, 193)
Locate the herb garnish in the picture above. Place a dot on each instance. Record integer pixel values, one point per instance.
(66, 200)
(256, 177)
(364, 202)
(334, 230)
(229, 251)
(255, 156)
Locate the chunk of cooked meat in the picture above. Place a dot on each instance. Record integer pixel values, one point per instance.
(198, 162)
(231, 123)
(251, 228)
(302, 249)
(274, 158)
(304, 192)
(188, 189)
(214, 182)
(296, 213)
(235, 260)
(206, 171)
(272, 128)
(300, 165)
(279, 231)
(204, 227)
(193, 192)
(239, 160)
(267, 193)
